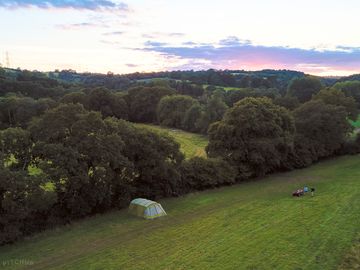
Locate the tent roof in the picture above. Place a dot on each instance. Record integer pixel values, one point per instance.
(143, 202)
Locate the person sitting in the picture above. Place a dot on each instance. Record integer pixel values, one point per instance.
(312, 191)
(306, 189)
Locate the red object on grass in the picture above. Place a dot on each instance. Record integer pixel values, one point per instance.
(298, 193)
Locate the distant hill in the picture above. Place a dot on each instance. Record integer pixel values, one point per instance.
(355, 77)
(267, 78)
(227, 78)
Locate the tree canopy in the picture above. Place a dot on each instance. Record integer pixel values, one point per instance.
(350, 89)
(321, 130)
(255, 136)
(171, 110)
(143, 102)
(304, 88)
(337, 98)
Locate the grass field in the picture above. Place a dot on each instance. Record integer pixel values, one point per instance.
(231, 88)
(356, 123)
(191, 144)
(222, 87)
(351, 260)
(255, 225)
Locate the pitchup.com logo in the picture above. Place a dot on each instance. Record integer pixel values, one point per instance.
(13, 262)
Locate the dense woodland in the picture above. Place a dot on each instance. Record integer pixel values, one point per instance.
(68, 147)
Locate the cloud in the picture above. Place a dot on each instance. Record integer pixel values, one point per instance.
(131, 65)
(109, 42)
(93, 5)
(176, 34)
(233, 41)
(154, 44)
(115, 33)
(154, 35)
(189, 43)
(233, 53)
(76, 26)
(96, 21)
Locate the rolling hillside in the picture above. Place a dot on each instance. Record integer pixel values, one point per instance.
(255, 225)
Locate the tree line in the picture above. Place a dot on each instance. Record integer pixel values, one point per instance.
(225, 78)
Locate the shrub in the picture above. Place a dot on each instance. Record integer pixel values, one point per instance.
(200, 173)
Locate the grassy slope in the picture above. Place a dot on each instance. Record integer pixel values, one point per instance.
(231, 88)
(191, 144)
(222, 87)
(256, 225)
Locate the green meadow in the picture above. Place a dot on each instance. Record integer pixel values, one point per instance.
(191, 144)
(222, 87)
(254, 225)
(356, 123)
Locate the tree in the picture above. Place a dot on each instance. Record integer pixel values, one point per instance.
(335, 97)
(82, 156)
(214, 110)
(15, 146)
(201, 173)
(143, 101)
(106, 102)
(287, 102)
(2, 72)
(321, 130)
(231, 97)
(25, 205)
(191, 118)
(18, 111)
(304, 88)
(271, 93)
(186, 88)
(350, 89)
(75, 97)
(255, 136)
(171, 110)
(96, 164)
(155, 157)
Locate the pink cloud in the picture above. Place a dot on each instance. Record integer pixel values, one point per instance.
(233, 53)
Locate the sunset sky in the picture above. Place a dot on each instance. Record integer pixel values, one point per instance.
(318, 37)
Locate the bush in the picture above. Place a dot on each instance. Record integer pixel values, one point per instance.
(200, 173)
(351, 147)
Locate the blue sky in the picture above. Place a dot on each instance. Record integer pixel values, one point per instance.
(318, 37)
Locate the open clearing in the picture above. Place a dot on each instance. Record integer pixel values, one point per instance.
(191, 144)
(222, 87)
(255, 225)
